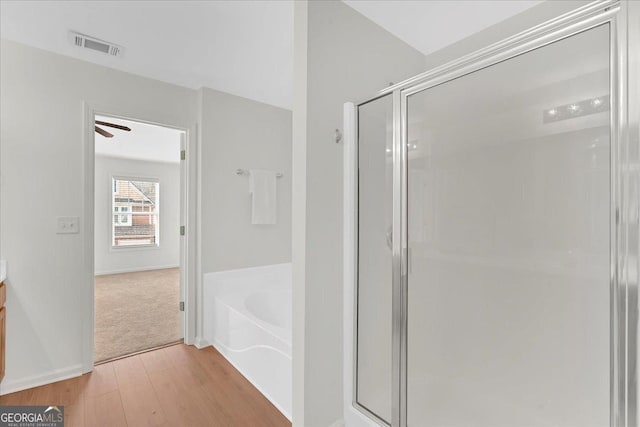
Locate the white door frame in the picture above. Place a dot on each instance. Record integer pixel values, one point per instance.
(188, 254)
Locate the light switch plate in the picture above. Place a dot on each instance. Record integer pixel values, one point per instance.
(68, 225)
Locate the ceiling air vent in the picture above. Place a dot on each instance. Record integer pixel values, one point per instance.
(88, 42)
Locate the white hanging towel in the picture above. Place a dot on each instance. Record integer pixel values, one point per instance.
(262, 186)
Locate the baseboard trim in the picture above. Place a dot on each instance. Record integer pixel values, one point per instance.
(201, 343)
(135, 270)
(37, 380)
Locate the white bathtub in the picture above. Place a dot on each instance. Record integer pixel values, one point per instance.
(247, 317)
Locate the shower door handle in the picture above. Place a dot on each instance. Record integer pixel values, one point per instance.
(389, 235)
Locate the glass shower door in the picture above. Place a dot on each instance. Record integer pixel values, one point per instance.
(508, 215)
(374, 273)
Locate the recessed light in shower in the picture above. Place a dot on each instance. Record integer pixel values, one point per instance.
(576, 109)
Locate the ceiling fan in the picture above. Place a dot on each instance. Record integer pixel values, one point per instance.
(112, 125)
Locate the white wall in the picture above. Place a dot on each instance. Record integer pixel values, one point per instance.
(238, 133)
(167, 254)
(511, 26)
(42, 161)
(348, 58)
(42, 154)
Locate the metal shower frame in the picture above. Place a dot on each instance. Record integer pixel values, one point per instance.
(625, 194)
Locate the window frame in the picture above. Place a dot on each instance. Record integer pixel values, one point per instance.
(130, 213)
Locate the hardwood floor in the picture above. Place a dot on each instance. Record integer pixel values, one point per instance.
(172, 386)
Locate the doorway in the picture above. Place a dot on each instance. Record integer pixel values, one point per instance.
(138, 255)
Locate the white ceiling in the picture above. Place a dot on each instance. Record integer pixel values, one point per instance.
(430, 25)
(241, 47)
(144, 142)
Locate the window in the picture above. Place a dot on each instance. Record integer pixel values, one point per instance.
(135, 211)
(119, 218)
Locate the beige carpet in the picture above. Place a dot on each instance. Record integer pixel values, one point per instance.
(136, 311)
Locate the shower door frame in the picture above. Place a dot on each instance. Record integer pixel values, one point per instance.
(624, 202)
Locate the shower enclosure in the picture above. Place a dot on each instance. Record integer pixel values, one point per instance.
(491, 215)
